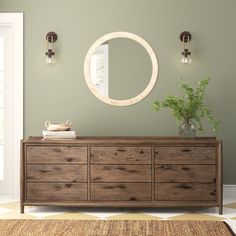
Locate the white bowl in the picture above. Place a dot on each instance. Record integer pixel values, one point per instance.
(58, 126)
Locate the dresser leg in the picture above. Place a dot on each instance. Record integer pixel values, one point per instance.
(22, 208)
(221, 209)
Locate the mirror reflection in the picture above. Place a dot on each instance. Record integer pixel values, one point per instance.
(120, 68)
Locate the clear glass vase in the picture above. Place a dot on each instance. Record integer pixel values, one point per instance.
(187, 129)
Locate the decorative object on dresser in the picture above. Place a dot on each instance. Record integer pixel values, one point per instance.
(70, 134)
(122, 172)
(189, 108)
(58, 130)
(58, 126)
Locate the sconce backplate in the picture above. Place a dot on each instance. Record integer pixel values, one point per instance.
(185, 36)
(51, 37)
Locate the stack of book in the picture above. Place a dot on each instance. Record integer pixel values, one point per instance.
(59, 134)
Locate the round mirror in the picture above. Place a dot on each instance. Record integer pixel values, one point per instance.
(121, 68)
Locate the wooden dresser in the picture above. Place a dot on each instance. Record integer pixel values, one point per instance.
(122, 172)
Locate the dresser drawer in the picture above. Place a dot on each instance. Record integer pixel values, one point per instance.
(185, 173)
(185, 155)
(185, 192)
(63, 173)
(56, 154)
(50, 192)
(121, 191)
(120, 155)
(121, 173)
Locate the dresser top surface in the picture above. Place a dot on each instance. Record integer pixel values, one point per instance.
(123, 140)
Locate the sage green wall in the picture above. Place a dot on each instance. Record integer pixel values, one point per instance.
(59, 92)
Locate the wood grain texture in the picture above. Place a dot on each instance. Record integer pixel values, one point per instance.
(128, 176)
(120, 191)
(185, 192)
(128, 204)
(120, 173)
(56, 154)
(185, 173)
(57, 173)
(125, 141)
(56, 192)
(185, 155)
(120, 155)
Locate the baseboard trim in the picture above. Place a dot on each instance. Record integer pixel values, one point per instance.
(229, 191)
(5, 197)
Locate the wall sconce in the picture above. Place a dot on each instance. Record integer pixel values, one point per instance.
(185, 37)
(51, 38)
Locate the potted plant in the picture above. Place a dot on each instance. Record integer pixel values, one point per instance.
(189, 108)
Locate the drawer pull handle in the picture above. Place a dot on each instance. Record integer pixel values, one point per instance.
(184, 186)
(69, 159)
(133, 199)
(108, 187)
(113, 187)
(186, 150)
(121, 186)
(121, 150)
(141, 152)
(57, 149)
(96, 178)
(57, 168)
(107, 168)
(121, 168)
(185, 168)
(165, 168)
(68, 185)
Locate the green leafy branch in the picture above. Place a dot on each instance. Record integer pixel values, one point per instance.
(189, 106)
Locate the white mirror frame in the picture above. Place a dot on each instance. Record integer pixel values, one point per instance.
(151, 83)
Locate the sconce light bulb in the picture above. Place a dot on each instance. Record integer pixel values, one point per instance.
(50, 60)
(186, 60)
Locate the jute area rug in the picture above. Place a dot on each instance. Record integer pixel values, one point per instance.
(113, 228)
